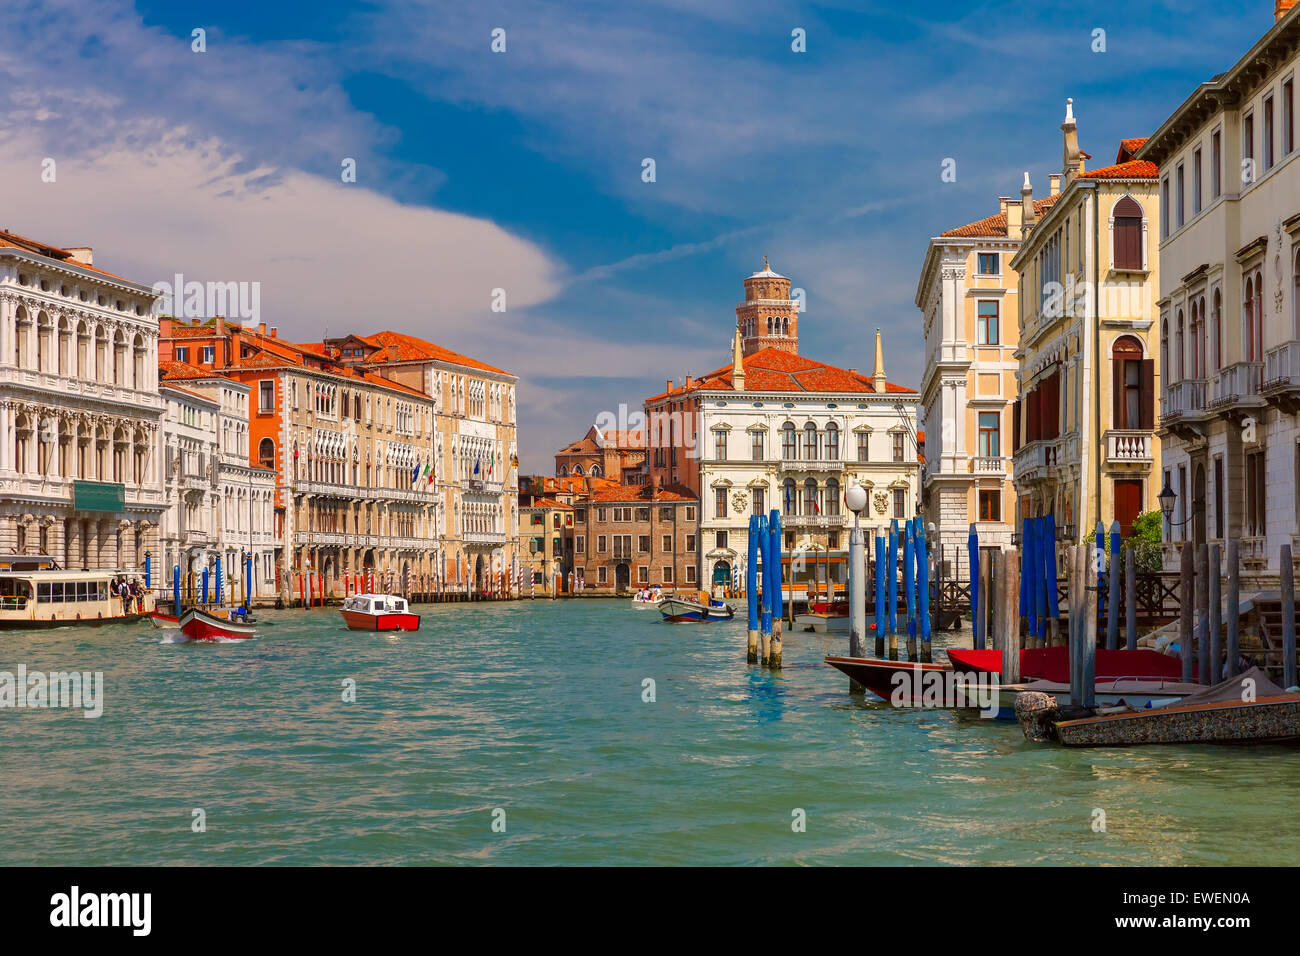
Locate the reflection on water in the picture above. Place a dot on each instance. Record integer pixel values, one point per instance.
(536, 708)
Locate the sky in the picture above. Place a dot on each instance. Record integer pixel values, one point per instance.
(524, 170)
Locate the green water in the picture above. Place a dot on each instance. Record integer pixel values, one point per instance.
(536, 709)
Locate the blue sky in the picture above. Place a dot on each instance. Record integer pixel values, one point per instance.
(522, 170)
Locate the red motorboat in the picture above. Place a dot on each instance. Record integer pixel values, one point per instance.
(1053, 664)
(379, 612)
(199, 625)
(877, 675)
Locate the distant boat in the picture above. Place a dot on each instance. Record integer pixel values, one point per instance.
(378, 612)
(199, 625)
(676, 610)
(640, 603)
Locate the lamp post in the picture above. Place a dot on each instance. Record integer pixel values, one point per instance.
(856, 499)
(532, 551)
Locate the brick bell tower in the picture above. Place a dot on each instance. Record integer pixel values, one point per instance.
(768, 318)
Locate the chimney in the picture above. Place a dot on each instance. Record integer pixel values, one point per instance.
(1072, 165)
(669, 386)
(83, 254)
(275, 334)
(737, 366)
(221, 325)
(1280, 9)
(1027, 204)
(878, 377)
(1055, 180)
(1015, 220)
(1003, 203)
(689, 380)
(261, 328)
(392, 351)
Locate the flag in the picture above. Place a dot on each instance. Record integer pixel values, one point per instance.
(476, 461)
(415, 474)
(514, 461)
(816, 510)
(430, 473)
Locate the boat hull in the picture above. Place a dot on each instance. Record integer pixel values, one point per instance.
(162, 621)
(200, 626)
(1266, 720)
(1053, 664)
(364, 621)
(676, 611)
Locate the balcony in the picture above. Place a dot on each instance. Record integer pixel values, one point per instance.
(1037, 461)
(1281, 386)
(988, 466)
(812, 521)
(833, 465)
(1184, 399)
(1128, 447)
(485, 537)
(1236, 389)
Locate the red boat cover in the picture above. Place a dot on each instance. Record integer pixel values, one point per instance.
(1053, 663)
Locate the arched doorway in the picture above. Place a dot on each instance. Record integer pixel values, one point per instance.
(722, 574)
(622, 576)
(478, 573)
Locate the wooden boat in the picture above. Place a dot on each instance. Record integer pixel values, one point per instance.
(678, 610)
(164, 621)
(897, 682)
(36, 593)
(1248, 708)
(200, 625)
(1053, 664)
(379, 612)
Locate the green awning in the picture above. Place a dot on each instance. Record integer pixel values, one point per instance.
(105, 496)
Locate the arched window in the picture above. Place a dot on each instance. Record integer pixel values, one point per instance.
(1164, 353)
(577, 469)
(1248, 320)
(832, 497)
(564, 471)
(266, 453)
(1295, 295)
(595, 471)
(789, 444)
(789, 501)
(1195, 363)
(810, 442)
(1128, 234)
(1216, 330)
(810, 505)
(1178, 349)
(1132, 386)
(832, 442)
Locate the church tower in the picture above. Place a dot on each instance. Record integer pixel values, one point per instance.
(768, 318)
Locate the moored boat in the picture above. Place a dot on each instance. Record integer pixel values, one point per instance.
(35, 592)
(1248, 708)
(200, 625)
(379, 612)
(678, 610)
(646, 599)
(1053, 663)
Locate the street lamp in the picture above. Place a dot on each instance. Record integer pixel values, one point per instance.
(1167, 497)
(856, 499)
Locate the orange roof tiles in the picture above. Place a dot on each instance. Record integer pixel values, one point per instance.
(643, 494)
(182, 370)
(409, 348)
(549, 503)
(774, 370)
(1133, 169)
(1128, 149)
(996, 226)
(14, 241)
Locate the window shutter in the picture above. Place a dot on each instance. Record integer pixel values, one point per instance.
(1015, 426)
(1148, 394)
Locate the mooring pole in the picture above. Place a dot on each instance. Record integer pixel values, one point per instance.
(1089, 669)
(1234, 610)
(1216, 614)
(880, 594)
(1112, 590)
(983, 580)
(1073, 628)
(909, 587)
(1203, 613)
(774, 532)
(1130, 600)
(1008, 619)
(1048, 568)
(893, 589)
(751, 591)
(923, 589)
(1186, 599)
(857, 581)
(765, 619)
(1288, 618)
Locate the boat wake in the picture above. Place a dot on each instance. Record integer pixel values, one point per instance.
(178, 637)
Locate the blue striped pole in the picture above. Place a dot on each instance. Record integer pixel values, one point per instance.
(778, 604)
(148, 569)
(909, 588)
(205, 585)
(219, 581)
(176, 590)
(880, 593)
(765, 616)
(893, 589)
(751, 589)
(923, 589)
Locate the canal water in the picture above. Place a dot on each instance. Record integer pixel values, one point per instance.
(532, 715)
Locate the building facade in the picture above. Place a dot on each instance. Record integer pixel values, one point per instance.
(627, 537)
(967, 294)
(1230, 304)
(777, 430)
(618, 455)
(79, 410)
(1088, 376)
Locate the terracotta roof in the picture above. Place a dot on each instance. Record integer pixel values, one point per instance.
(172, 371)
(774, 370)
(643, 494)
(409, 348)
(549, 503)
(585, 446)
(631, 438)
(14, 241)
(1133, 169)
(189, 391)
(1128, 149)
(996, 226)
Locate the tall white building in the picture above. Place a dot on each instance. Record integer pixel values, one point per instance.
(80, 478)
(776, 430)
